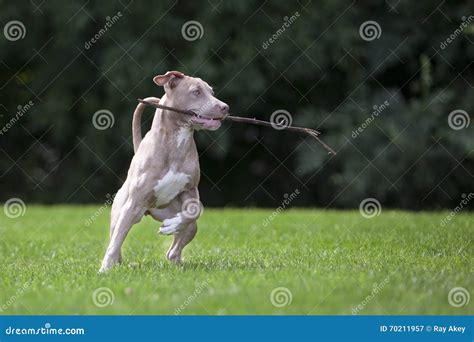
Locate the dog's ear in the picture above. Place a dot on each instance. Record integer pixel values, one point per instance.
(168, 79)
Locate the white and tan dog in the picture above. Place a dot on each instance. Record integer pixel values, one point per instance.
(164, 173)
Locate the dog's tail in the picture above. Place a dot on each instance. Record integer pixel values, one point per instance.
(137, 122)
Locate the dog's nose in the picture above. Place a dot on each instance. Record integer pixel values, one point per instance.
(225, 108)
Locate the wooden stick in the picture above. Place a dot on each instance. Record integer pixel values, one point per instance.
(313, 133)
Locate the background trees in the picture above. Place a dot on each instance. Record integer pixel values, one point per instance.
(319, 68)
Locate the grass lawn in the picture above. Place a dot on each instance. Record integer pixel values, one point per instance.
(328, 262)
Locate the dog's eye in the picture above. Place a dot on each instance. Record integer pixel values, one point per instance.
(197, 92)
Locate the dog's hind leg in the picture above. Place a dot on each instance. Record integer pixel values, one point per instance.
(179, 218)
(118, 203)
(123, 218)
(181, 239)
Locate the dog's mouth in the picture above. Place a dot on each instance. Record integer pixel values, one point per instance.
(206, 122)
(202, 117)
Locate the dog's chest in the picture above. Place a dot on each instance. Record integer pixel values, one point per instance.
(183, 135)
(170, 186)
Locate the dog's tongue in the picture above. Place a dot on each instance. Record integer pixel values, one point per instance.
(207, 123)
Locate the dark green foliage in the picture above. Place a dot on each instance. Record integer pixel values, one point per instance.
(319, 69)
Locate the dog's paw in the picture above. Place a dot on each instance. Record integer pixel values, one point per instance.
(172, 225)
(108, 263)
(174, 256)
(105, 268)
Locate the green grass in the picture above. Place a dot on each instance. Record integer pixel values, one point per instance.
(328, 260)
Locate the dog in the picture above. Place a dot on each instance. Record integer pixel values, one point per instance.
(163, 177)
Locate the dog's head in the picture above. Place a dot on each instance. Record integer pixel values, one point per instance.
(190, 93)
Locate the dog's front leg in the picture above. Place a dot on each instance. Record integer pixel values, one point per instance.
(187, 209)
